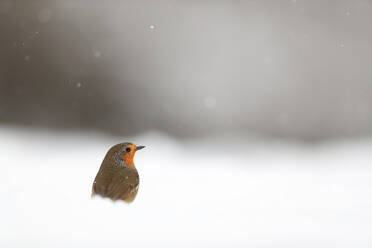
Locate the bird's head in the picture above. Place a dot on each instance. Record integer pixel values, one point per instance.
(124, 152)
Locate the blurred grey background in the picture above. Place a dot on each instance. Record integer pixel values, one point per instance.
(292, 69)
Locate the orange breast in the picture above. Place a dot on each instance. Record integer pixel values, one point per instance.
(129, 156)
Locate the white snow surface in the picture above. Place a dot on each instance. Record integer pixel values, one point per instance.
(221, 192)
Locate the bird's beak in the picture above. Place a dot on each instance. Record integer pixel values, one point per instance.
(139, 147)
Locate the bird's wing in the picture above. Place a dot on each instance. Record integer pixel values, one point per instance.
(125, 191)
(123, 185)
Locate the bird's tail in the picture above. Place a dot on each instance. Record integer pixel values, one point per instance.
(93, 190)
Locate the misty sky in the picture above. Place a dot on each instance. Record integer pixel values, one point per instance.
(293, 69)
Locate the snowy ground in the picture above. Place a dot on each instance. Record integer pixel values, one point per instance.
(206, 193)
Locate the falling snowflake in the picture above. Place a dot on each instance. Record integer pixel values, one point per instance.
(79, 85)
(97, 54)
(151, 26)
(267, 60)
(210, 102)
(44, 15)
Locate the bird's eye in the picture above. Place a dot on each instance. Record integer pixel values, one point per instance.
(127, 149)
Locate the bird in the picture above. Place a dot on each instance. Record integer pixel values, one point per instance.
(118, 177)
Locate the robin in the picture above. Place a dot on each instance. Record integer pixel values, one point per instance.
(117, 177)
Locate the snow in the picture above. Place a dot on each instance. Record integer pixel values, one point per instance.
(222, 192)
